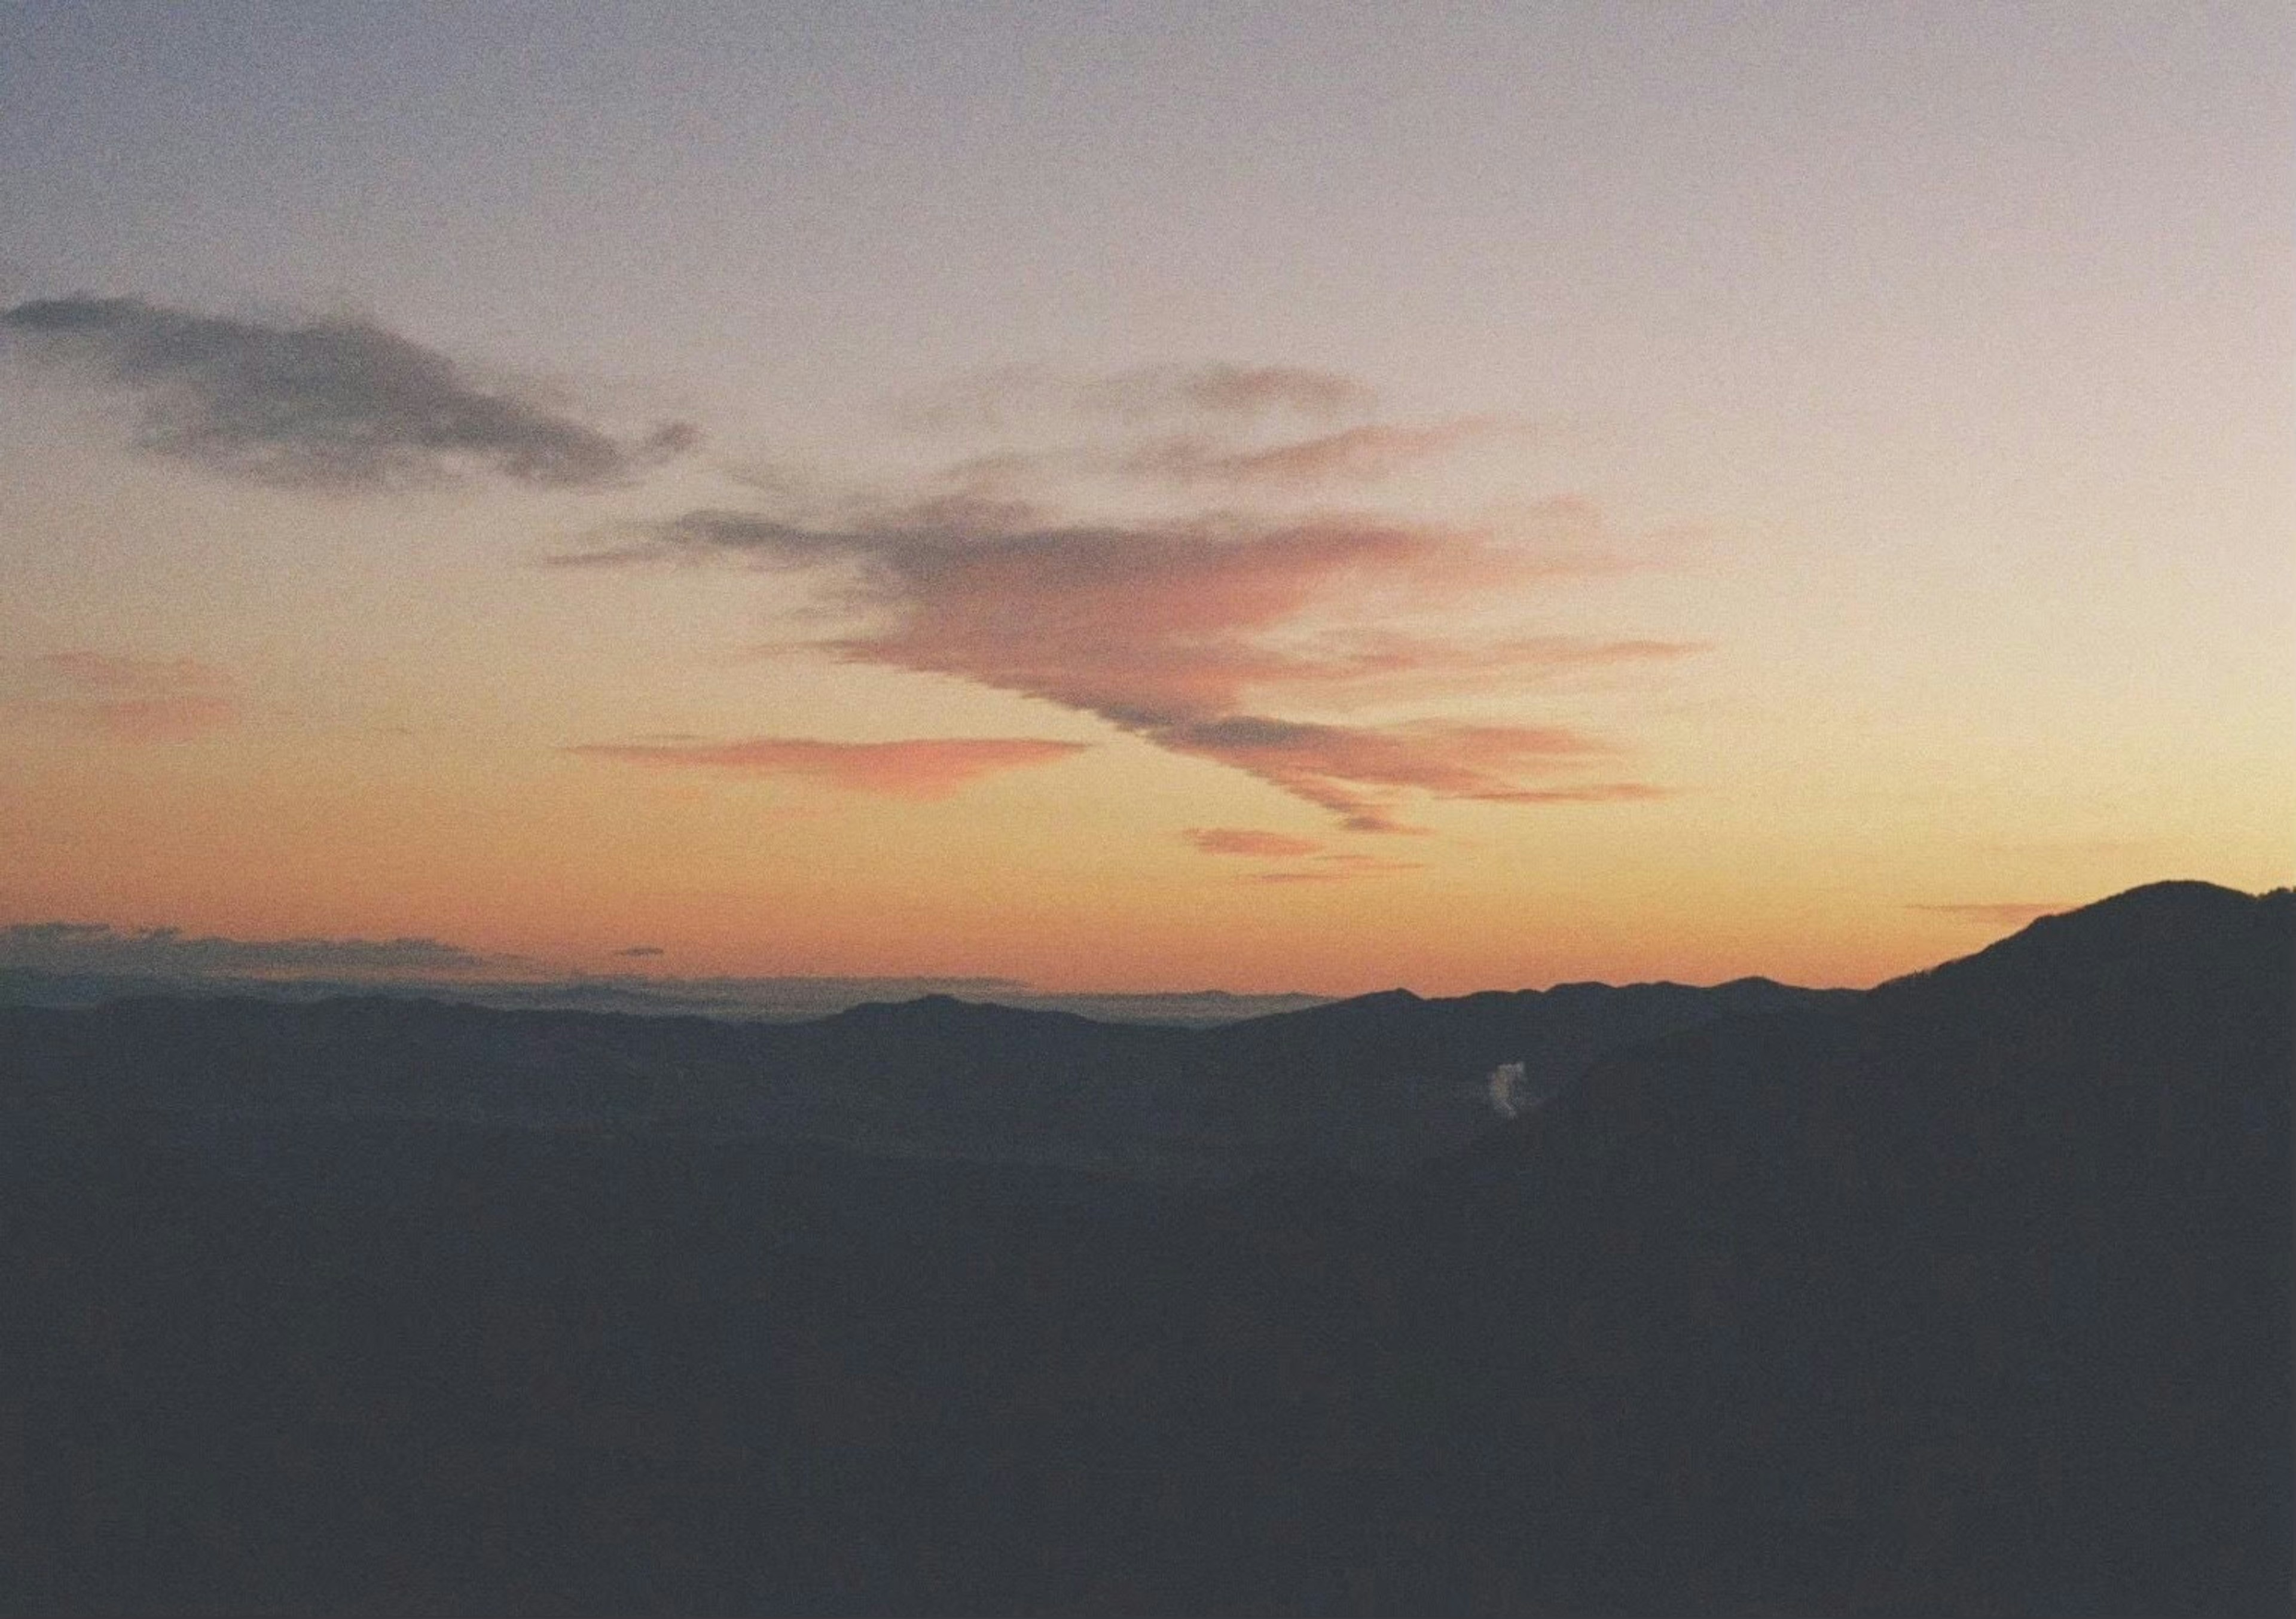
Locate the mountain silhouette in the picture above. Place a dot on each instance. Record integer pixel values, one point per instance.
(1373, 1085)
(1973, 1293)
(1968, 1294)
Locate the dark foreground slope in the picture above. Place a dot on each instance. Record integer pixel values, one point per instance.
(1974, 1299)
(1970, 1294)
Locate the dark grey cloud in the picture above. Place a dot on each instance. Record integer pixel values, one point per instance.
(335, 403)
(98, 947)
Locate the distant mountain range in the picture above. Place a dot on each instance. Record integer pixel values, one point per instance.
(42, 975)
(1969, 1293)
(1376, 1083)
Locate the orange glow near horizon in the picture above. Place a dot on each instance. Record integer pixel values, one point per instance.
(1496, 527)
(1051, 875)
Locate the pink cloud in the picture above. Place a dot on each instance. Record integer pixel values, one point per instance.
(1227, 390)
(1354, 454)
(107, 671)
(1178, 633)
(1334, 867)
(1238, 840)
(133, 699)
(161, 719)
(1587, 792)
(1345, 768)
(1386, 666)
(1367, 864)
(926, 768)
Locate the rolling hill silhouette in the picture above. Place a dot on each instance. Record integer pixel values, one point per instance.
(1968, 1294)
(1373, 1085)
(1971, 1295)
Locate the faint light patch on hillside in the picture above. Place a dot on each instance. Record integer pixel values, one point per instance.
(1512, 1090)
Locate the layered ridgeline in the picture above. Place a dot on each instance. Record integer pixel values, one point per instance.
(1374, 1084)
(1967, 1295)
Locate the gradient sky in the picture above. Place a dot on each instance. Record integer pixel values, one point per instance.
(1273, 497)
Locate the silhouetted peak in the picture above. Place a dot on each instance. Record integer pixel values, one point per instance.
(2173, 899)
(935, 1005)
(944, 1011)
(2159, 926)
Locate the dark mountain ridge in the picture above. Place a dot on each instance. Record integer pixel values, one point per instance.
(1373, 1085)
(1973, 1292)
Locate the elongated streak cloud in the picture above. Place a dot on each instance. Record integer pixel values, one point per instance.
(1240, 840)
(2001, 913)
(132, 699)
(1212, 393)
(1361, 454)
(926, 768)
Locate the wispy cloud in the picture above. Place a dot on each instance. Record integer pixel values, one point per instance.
(1143, 396)
(1331, 874)
(1227, 458)
(1587, 792)
(1328, 864)
(1356, 455)
(97, 947)
(926, 768)
(1344, 768)
(337, 404)
(130, 700)
(1240, 840)
(1997, 913)
(1344, 867)
(1365, 865)
(1246, 392)
(110, 671)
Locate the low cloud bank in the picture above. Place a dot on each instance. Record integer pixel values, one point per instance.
(98, 947)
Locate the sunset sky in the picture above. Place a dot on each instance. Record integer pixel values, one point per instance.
(1286, 497)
